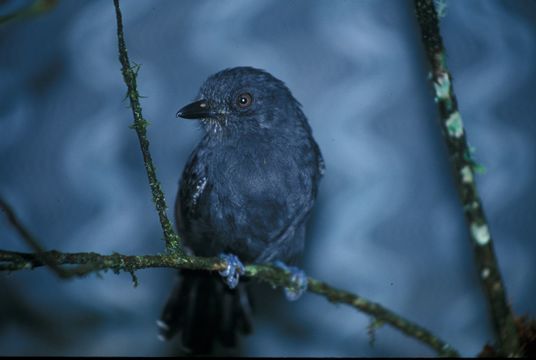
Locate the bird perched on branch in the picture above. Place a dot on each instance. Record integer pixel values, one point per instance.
(245, 194)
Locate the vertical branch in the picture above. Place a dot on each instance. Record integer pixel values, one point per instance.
(463, 166)
(140, 125)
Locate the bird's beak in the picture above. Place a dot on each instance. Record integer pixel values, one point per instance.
(195, 110)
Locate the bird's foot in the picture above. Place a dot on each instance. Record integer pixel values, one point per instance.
(234, 268)
(298, 279)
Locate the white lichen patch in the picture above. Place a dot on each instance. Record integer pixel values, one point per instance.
(442, 86)
(467, 174)
(441, 7)
(455, 125)
(480, 234)
(485, 273)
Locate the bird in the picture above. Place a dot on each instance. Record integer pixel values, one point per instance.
(245, 194)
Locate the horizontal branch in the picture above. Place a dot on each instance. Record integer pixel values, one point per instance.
(93, 262)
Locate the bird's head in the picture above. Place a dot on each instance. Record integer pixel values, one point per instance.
(241, 99)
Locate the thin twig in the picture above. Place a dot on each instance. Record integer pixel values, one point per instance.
(464, 166)
(13, 261)
(173, 242)
(40, 252)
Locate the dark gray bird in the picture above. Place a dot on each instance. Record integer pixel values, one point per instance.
(248, 189)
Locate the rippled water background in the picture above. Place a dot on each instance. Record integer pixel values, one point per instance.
(387, 224)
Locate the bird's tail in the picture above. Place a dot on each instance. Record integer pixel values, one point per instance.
(203, 310)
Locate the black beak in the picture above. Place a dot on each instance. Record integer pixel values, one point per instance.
(195, 110)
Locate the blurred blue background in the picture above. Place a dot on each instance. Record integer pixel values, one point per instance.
(387, 225)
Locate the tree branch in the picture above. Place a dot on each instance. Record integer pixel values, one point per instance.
(173, 242)
(277, 277)
(464, 166)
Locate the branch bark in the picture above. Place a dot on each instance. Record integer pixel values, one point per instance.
(276, 277)
(173, 242)
(463, 166)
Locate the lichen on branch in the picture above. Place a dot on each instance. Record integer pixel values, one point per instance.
(463, 169)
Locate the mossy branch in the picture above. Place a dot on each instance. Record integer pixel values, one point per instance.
(464, 174)
(93, 263)
(173, 242)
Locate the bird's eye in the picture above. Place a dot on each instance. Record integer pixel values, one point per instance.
(244, 100)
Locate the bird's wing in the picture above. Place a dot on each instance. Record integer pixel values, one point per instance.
(321, 163)
(193, 184)
(316, 148)
(292, 229)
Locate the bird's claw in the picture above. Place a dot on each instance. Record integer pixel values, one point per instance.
(298, 279)
(234, 268)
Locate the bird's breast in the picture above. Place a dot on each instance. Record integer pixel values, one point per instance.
(257, 173)
(252, 192)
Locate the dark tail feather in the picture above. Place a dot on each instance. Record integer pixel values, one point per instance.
(204, 310)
